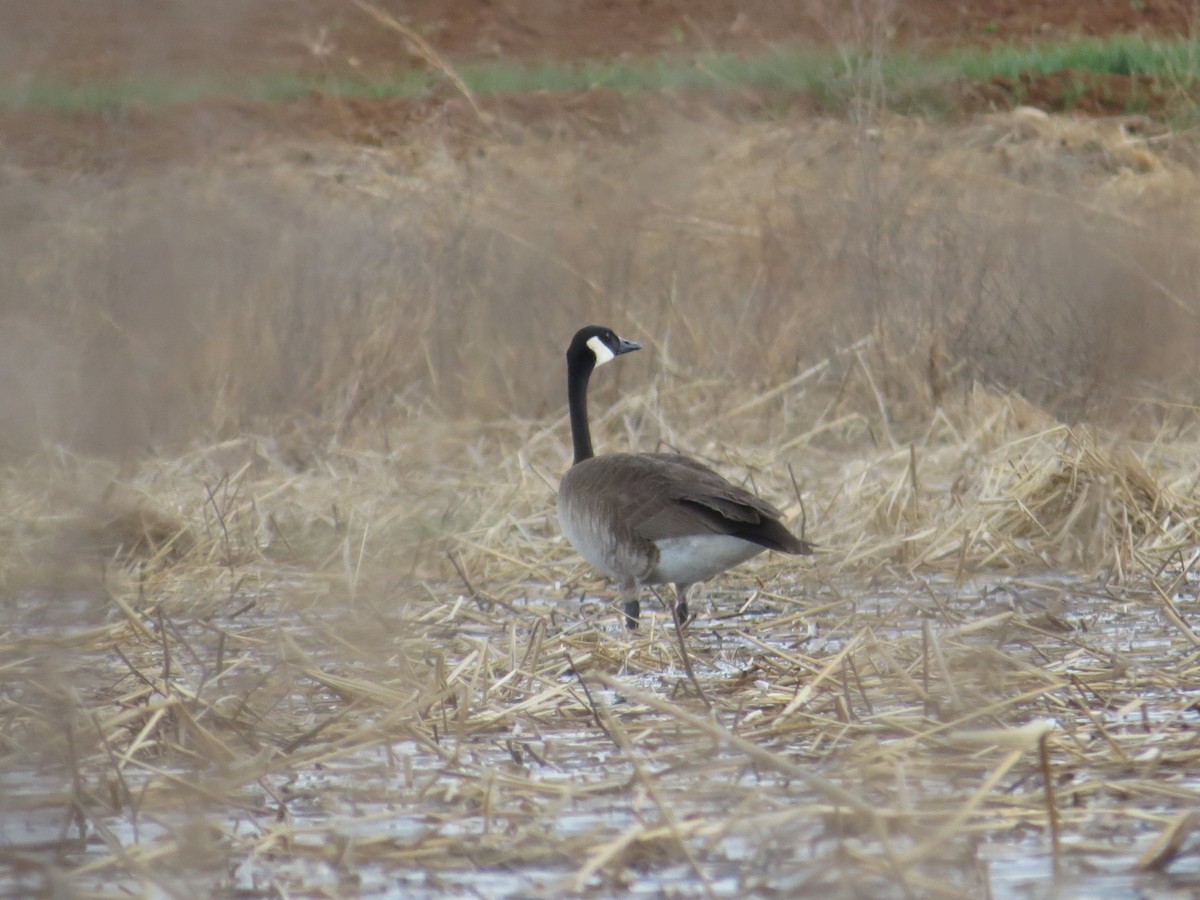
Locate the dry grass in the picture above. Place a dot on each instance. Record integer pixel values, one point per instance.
(351, 287)
(373, 668)
(336, 645)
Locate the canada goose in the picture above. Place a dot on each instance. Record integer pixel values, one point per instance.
(654, 518)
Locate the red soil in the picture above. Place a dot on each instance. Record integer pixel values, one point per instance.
(138, 38)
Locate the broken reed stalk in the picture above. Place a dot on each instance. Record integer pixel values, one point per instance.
(754, 752)
(1051, 803)
(687, 660)
(591, 702)
(425, 51)
(1167, 846)
(647, 781)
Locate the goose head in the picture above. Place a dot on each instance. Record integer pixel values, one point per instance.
(594, 345)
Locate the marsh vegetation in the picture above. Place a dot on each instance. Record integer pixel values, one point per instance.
(286, 610)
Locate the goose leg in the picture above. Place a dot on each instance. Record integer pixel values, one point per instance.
(681, 604)
(630, 604)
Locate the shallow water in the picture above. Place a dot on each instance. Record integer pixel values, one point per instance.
(545, 806)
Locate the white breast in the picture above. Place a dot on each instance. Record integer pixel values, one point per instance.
(686, 560)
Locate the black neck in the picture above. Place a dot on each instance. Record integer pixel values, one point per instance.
(578, 373)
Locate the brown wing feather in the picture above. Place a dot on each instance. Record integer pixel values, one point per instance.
(662, 495)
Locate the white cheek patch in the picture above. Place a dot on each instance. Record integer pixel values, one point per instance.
(600, 351)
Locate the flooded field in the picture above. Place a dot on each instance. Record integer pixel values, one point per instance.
(284, 607)
(862, 741)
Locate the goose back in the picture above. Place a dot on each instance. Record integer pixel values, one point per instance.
(662, 517)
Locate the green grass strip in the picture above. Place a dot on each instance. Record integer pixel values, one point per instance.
(830, 76)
